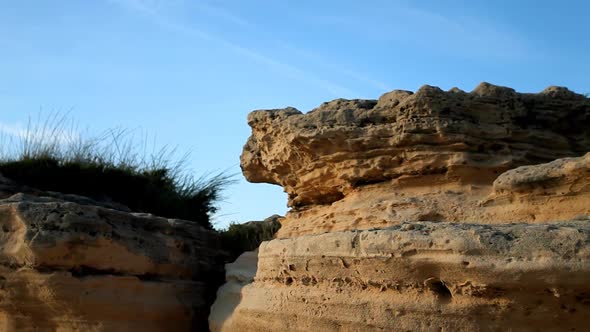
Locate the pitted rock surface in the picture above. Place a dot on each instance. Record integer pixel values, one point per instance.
(420, 276)
(71, 267)
(321, 156)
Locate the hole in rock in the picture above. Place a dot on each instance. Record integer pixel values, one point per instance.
(440, 290)
(431, 216)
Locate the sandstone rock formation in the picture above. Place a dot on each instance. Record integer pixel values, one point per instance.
(237, 274)
(374, 186)
(420, 276)
(409, 156)
(320, 156)
(71, 267)
(555, 191)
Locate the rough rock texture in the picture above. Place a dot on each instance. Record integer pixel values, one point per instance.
(551, 192)
(419, 276)
(71, 267)
(374, 184)
(425, 156)
(468, 138)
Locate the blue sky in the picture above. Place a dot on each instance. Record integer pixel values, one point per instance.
(189, 71)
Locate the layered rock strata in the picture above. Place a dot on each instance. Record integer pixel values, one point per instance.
(550, 192)
(421, 276)
(426, 211)
(320, 156)
(429, 155)
(71, 267)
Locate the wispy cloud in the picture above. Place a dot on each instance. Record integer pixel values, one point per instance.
(152, 9)
(223, 14)
(342, 70)
(52, 128)
(314, 57)
(11, 135)
(12, 129)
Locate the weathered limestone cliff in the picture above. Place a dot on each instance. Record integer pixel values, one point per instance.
(429, 155)
(420, 277)
(556, 191)
(434, 210)
(66, 266)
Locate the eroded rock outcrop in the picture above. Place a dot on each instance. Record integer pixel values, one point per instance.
(426, 211)
(429, 155)
(422, 277)
(550, 192)
(320, 156)
(71, 267)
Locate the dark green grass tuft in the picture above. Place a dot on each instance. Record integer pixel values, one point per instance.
(51, 158)
(238, 238)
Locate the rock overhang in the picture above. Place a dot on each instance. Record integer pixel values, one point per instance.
(320, 156)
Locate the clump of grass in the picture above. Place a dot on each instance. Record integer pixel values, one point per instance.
(51, 155)
(238, 238)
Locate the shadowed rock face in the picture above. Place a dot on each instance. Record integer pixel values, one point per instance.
(71, 267)
(321, 156)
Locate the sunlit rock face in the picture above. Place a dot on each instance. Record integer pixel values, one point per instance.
(66, 266)
(426, 211)
(550, 192)
(419, 276)
(429, 155)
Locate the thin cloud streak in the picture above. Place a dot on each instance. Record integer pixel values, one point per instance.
(224, 14)
(34, 133)
(322, 62)
(14, 130)
(233, 18)
(54, 128)
(283, 68)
